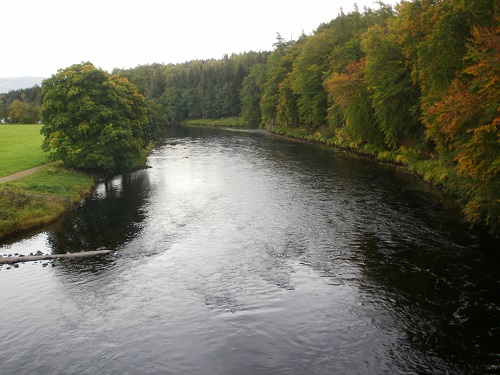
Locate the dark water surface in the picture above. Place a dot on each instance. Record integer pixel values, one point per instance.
(243, 253)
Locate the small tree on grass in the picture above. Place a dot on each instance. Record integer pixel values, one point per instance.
(93, 120)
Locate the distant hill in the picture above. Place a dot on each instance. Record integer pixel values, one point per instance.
(14, 83)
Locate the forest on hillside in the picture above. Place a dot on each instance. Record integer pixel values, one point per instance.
(417, 84)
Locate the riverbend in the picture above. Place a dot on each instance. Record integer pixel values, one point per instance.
(239, 252)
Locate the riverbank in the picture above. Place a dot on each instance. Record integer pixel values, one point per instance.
(238, 238)
(34, 192)
(41, 197)
(437, 172)
(45, 196)
(231, 122)
(433, 171)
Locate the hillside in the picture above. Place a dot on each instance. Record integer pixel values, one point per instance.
(15, 83)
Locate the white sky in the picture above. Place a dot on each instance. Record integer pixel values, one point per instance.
(41, 36)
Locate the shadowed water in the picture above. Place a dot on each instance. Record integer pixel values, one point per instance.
(243, 253)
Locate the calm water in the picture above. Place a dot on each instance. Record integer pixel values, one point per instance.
(243, 253)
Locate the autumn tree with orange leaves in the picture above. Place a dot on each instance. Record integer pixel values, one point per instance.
(466, 123)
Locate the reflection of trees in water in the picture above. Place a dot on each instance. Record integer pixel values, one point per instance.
(76, 267)
(441, 296)
(109, 218)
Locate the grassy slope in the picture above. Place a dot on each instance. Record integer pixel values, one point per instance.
(54, 180)
(39, 198)
(20, 148)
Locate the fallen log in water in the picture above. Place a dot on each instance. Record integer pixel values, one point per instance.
(30, 258)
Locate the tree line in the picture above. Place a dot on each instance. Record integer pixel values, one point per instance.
(21, 106)
(416, 84)
(196, 89)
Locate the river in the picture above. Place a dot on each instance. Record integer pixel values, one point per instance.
(240, 252)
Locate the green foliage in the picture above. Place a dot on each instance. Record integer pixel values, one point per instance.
(251, 92)
(157, 120)
(414, 85)
(395, 99)
(434, 34)
(20, 210)
(417, 87)
(349, 93)
(306, 79)
(278, 65)
(23, 113)
(287, 113)
(466, 125)
(21, 106)
(92, 120)
(199, 88)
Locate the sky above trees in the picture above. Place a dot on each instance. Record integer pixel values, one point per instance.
(44, 36)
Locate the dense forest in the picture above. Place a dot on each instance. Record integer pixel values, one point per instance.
(417, 85)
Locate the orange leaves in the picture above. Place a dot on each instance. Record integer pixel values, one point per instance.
(466, 122)
(480, 157)
(449, 118)
(469, 108)
(484, 52)
(341, 86)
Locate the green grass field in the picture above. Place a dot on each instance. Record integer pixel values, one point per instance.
(20, 148)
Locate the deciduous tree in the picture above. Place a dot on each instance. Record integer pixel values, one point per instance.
(466, 124)
(350, 93)
(395, 98)
(93, 120)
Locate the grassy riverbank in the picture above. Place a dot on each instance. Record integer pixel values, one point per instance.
(236, 122)
(41, 197)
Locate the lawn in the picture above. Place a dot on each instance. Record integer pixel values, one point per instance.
(20, 148)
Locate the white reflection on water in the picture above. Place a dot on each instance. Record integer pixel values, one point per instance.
(38, 242)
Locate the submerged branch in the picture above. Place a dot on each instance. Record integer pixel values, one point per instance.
(30, 258)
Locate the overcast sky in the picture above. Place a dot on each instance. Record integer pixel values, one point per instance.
(41, 36)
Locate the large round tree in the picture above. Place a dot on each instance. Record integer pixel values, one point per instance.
(93, 120)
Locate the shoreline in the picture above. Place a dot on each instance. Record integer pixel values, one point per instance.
(65, 204)
(40, 197)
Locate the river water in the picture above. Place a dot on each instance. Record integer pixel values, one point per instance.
(239, 252)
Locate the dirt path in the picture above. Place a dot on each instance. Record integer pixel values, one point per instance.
(24, 173)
